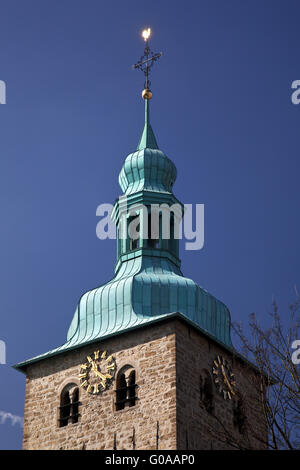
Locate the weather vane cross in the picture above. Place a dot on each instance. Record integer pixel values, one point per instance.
(146, 62)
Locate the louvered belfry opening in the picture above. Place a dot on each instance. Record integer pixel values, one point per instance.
(206, 391)
(126, 388)
(69, 405)
(131, 388)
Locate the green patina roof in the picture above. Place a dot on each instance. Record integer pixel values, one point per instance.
(147, 169)
(145, 290)
(148, 285)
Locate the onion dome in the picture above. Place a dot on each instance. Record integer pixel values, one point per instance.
(148, 168)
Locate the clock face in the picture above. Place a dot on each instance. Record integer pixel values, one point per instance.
(97, 374)
(224, 377)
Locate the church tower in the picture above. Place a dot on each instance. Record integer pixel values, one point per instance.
(148, 361)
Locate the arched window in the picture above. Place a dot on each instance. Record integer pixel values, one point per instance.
(126, 388)
(239, 415)
(69, 405)
(206, 391)
(131, 388)
(65, 408)
(121, 392)
(75, 405)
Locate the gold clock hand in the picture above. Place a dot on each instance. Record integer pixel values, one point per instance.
(101, 375)
(94, 365)
(226, 380)
(97, 372)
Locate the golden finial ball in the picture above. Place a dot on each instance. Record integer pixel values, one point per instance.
(146, 94)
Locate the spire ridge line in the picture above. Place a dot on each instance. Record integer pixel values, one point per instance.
(147, 139)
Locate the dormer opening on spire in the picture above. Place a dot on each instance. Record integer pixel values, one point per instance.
(133, 232)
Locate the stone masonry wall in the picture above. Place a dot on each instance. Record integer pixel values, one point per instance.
(152, 352)
(169, 358)
(196, 427)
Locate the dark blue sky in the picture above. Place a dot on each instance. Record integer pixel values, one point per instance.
(221, 110)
